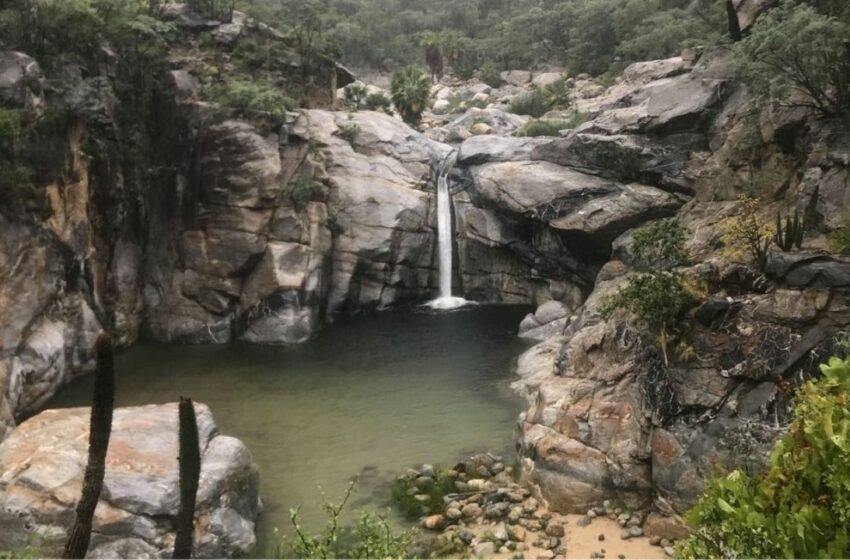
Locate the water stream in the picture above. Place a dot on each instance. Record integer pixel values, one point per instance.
(370, 396)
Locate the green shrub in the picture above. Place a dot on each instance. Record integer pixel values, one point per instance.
(303, 190)
(799, 508)
(410, 89)
(746, 234)
(354, 96)
(659, 300)
(794, 54)
(349, 132)
(533, 103)
(10, 130)
(259, 101)
(491, 75)
(543, 127)
(378, 102)
(372, 536)
(660, 245)
(838, 241)
(557, 95)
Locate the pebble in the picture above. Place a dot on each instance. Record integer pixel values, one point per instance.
(601, 537)
(668, 550)
(655, 540)
(422, 498)
(591, 513)
(553, 543)
(665, 543)
(583, 521)
(497, 510)
(471, 510)
(427, 470)
(555, 530)
(607, 504)
(519, 534)
(434, 522)
(454, 514)
(465, 536)
(621, 556)
(497, 468)
(485, 550)
(636, 531)
(424, 482)
(504, 550)
(501, 532)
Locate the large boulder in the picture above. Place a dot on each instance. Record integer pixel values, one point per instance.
(41, 473)
(569, 200)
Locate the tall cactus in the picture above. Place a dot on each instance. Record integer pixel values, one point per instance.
(190, 473)
(792, 234)
(100, 429)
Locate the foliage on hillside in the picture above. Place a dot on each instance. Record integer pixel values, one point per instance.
(799, 508)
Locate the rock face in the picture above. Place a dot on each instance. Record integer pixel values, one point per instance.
(41, 472)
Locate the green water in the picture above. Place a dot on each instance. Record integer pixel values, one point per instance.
(370, 396)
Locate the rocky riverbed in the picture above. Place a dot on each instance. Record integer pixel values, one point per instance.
(478, 507)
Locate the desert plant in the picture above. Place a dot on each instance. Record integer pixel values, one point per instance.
(378, 102)
(354, 96)
(260, 101)
(838, 241)
(660, 245)
(302, 190)
(410, 90)
(491, 75)
(791, 235)
(349, 132)
(533, 103)
(100, 428)
(746, 233)
(190, 473)
(659, 300)
(800, 507)
(557, 95)
(372, 536)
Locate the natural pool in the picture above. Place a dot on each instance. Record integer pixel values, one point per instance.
(371, 396)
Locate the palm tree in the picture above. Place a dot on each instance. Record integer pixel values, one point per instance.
(410, 90)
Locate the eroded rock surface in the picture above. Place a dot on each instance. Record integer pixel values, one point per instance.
(41, 472)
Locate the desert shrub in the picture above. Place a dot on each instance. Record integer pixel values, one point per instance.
(543, 127)
(354, 96)
(302, 190)
(796, 55)
(838, 241)
(557, 95)
(410, 90)
(533, 103)
(259, 101)
(624, 164)
(660, 245)
(491, 75)
(371, 536)
(349, 132)
(378, 102)
(800, 507)
(746, 233)
(659, 300)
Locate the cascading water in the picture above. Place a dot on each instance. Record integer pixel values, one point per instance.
(444, 238)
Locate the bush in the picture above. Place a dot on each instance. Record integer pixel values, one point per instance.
(379, 102)
(746, 234)
(799, 508)
(259, 101)
(410, 90)
(10, 130)
(405, 490)
(533, 103)
(303, 190)
(491, 75)
(660, 245)
(558, 95)
(543, 127)
(659, 300)
(354, 96)
(372, 536)
(793, 54)
(349, 132)
(838, 241)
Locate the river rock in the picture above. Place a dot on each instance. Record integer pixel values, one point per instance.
(41, 472)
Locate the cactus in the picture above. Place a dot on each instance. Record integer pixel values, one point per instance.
(100, 429)
(190, 473)
(791, 235)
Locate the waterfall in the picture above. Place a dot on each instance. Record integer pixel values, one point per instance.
(444, 238)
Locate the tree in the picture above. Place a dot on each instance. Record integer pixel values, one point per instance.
(800, 507)
(410, 90)
(100, 428)
(796, 56)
